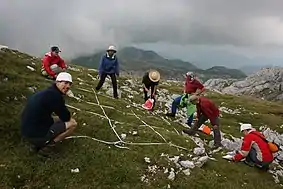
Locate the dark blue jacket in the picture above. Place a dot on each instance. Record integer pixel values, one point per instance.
(36, 117)
(109, 65)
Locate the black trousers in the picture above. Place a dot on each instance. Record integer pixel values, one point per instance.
(114, 82)
(151, 95)
(216, 131)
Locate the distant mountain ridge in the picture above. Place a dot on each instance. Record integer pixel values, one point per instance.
(136, 61)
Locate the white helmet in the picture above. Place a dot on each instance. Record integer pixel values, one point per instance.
(64, 76)
(112, 48)
(245, 126)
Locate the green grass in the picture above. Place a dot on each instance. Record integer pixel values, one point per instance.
(106, 166)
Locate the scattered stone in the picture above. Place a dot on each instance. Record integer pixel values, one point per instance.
(74, 69)
(199, 151)
(123, 136)
(171, 175)
(32, 89)
(187, 172)
(187, 164)
(76, 170)
(147, 160)
(30, 68)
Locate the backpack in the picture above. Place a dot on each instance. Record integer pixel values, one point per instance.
(273, 147)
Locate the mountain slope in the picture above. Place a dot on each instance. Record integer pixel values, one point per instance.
(266, 83)
(221, 70)
(137, 61)
(106, 166)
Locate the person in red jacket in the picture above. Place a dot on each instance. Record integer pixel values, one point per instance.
(52, 63)
(206, 109)
(254, 148)
(193, 87)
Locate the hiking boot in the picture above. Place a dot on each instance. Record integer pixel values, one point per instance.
(189, 131)
(249, 163)
(33, 149)
(47, 151)
(170, 114)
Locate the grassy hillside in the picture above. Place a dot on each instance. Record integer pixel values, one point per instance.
(106, 165)
(138, 60)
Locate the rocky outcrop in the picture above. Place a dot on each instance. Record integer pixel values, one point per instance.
(267, 84)
(218, 84)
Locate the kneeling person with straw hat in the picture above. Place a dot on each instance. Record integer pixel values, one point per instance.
(150, 81)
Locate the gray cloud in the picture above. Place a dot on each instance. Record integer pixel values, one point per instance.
(88, 25)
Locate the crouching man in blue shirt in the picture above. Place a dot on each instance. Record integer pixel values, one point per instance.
(37, 125)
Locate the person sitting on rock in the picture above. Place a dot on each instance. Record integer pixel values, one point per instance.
(254, 148)
(150, 81)
(37, 125)
(192, 87)
(52, 64)
(109, 65)
(206, 109)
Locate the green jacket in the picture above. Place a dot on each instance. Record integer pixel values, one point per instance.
(191, 108)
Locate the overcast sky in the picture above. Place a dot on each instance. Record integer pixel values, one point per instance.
(188, 29)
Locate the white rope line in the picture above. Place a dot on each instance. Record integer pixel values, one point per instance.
(109, 107)
(99, 115)
(149, 126)
(145, 143)
(180, 147)
(116, 143)
(73, 107)
(92, 138)
(166, 121)
(109, 121)
(122, 147)
(96, 104)
(153, 127)
(85, 90)
(176, 131)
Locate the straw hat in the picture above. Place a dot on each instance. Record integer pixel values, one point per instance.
(154, 75)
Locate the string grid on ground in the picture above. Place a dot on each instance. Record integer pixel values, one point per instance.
(120, 141)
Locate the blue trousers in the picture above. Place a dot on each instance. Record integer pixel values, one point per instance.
(174, 108)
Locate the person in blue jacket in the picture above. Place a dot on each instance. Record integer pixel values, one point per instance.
(109, 65)
(38, 126)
